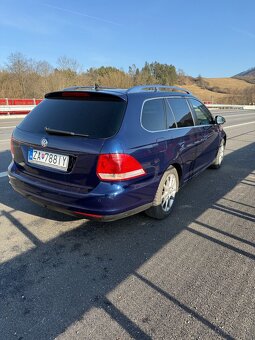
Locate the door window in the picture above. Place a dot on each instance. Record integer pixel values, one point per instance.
(202, 114)
(181, 111)
(154, 116)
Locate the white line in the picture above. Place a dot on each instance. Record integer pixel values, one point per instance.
(5, 140)
(3, 174)
(239, 115)
(7, 127)
(231, 126)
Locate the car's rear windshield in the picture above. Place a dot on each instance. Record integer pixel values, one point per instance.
(97, 118)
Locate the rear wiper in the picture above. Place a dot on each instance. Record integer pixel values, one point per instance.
(63, 133)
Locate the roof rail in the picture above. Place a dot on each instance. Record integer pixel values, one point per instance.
(157, 88)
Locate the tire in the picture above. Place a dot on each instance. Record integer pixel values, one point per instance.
(220, 155)
(165, 195)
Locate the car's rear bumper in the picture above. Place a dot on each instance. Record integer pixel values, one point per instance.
(107, 202)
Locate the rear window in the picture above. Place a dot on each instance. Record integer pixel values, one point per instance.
(96, 118)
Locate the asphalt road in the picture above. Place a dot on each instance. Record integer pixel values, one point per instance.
(191, 276)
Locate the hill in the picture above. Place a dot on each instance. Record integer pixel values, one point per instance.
(218, 90)
(247, 73)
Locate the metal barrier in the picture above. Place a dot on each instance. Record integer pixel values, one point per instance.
(17, 109)
(23, 106)
(227, 106)
(10, 106)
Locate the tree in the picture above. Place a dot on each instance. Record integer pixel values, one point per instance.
(181, 77)
(19, 67)
(159, 73)
(133, 72)
(201, 82)
(68, 64)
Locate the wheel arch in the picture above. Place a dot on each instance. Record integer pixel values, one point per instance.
(178, 168)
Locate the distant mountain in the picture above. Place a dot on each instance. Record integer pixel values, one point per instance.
(247, 73)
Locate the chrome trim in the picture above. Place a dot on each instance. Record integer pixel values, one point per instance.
(177, 128)
(44, 142)
(146, 100)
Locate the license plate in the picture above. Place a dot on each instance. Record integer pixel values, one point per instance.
(48, 159)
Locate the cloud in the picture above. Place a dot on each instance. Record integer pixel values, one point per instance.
(82, 14)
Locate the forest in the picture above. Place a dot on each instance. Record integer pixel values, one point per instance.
(22, 77)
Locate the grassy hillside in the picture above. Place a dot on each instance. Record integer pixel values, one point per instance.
(217, 90)
(228, 83)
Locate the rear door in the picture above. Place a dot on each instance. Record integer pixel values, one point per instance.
(207, 150)
(185, 136)
(154, 120)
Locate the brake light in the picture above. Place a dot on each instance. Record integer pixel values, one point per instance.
(75, 94)
(12, 147)
(118, 167)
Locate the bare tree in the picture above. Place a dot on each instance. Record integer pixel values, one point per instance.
(68, 64)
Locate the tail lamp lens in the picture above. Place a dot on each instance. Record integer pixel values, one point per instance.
(118, 167)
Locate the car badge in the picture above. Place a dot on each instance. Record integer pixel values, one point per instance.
(44, 142)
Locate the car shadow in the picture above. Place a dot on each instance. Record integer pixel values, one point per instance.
(45, 290)
(5, 160)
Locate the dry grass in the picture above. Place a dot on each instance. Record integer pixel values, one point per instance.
(229, 85)
(205, 95)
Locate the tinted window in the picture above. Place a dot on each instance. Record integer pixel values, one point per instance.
(170, 117)
(96, 118)
(153, 115)
(203, 115)
(181, 112)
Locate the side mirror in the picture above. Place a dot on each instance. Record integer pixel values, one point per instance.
(220, 120)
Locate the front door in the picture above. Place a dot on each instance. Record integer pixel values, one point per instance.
(208, 132)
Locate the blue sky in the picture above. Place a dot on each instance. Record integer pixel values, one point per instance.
(212, 38)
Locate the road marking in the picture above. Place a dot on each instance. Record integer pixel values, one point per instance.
(239, 116)
(231, 126)
(236, 114)
(7, 127)
(3, 174)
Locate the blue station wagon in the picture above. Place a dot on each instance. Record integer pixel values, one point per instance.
(105, 154)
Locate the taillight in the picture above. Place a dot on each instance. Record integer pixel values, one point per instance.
(118, 167)
(12, 147)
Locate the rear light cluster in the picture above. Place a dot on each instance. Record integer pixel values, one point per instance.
(118, 167)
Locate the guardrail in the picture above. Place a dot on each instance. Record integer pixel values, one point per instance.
(10, 106)
(227, 106)
(23, 106)
(11, 101)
